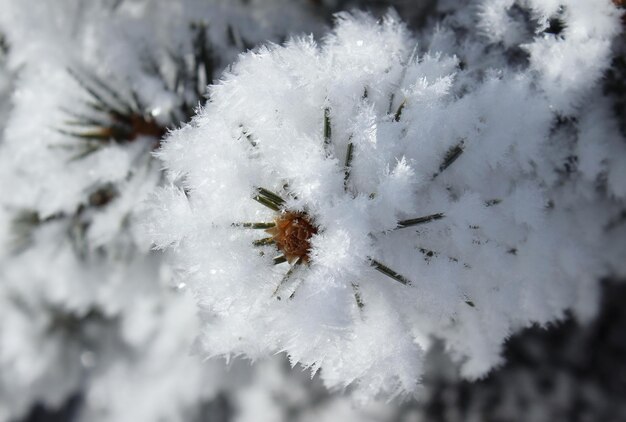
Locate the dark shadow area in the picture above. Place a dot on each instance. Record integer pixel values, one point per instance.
(564, 373)
(66, 413)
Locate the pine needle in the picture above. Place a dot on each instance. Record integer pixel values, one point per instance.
(389, 272)
(255, 225)
(451, 156)
(357, 296)
(115, 95)
(89, 149)
(271, 196)
(263, 242)
(286, 277)
(419, 220)
(265, 202)
(269, 199)
(95, 94)
(90, 136)
(280, 259)
(398, 114)
(203, 54)
(82, 119)
(327, 128)
(348, 165)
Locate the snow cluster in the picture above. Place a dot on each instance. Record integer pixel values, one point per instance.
(456, 186)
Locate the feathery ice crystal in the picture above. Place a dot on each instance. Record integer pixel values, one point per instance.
(349, 202)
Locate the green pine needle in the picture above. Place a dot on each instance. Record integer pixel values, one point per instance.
(267, 203)
(398, 114)
(389, 272)
(255, 225)
(348, 165)
(87, 151)
(279, 259)
(269, 199)
(419, 220)
(451, 156)
(97, 96)
(203, 52)
(89, 136)
(327, 128)
(263, 242)
(115, 95)
(271, 196)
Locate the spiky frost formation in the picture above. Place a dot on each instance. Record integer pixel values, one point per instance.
(275, 392)
(85, 302)
(560, 374)
(443, 195)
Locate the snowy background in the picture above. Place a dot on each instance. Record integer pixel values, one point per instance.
(279, 210)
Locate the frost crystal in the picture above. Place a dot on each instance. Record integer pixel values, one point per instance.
(351, 201)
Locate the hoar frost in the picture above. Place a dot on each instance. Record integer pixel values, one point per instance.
(349, 202)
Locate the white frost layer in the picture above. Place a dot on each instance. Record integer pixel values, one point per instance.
(523, 238)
